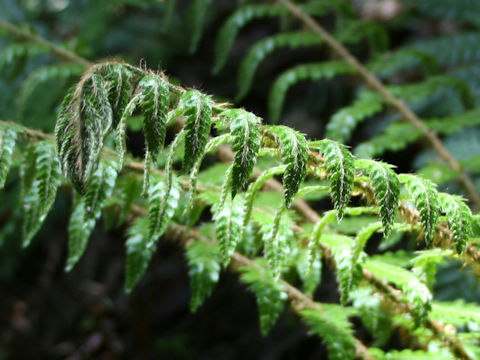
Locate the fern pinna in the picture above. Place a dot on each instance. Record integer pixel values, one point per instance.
(260, 198)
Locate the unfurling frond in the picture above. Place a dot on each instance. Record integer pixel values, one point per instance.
(246, 144)
(340, 168)
(204, 270)
(84, 121)
(155, 102)
(294, 151)
(425, 197)
(386, 187)
(197, 110)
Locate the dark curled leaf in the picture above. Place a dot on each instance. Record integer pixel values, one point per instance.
(197, 110)
(246, 144)
(155, 103)
(386, 188)
(294, 150)
(340, 168)
(84, 121)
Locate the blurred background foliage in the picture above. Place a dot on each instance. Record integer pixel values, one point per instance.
(49, 314)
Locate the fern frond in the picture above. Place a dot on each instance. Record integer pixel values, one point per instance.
(228, 227)
(84, 121)
(163, 197)
(229, 30)
(155, 102)
(309, 270)
(342, 124)
(314, 71)
(87, 209)
(340, 167)
(139, 252)
(270, 295)
(349, 270)
(425, 197)
(459, 218)
(466, 11)
(386, 188)
(204, 270)
(265, 47)
(118, 81)
(276, 244)
(246, 144)
(332, 326)
(8, 138)
(294, 152)
(197, 109)
(197, 17)
(40, 195)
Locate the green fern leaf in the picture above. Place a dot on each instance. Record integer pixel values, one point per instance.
(331, 324)
(459, 218)
(139, 252)
(294, 151)
(342, 124)
(309, 270)
(155, 103)
(118, 81)
(386, 188)
(204, 270)
(197, 17)
(425, 197)
(87, 209)
(276, 242)
(16, 54)
(40, 195)
(84, 121)
(416, 292)
(339, 164)
(348, 264)
(270, 295)
(265, 47)
(163, 198)
(197, 109)
(8, 138)
(228, 227)
(314, 71)
(246, 144)
(230, 29)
